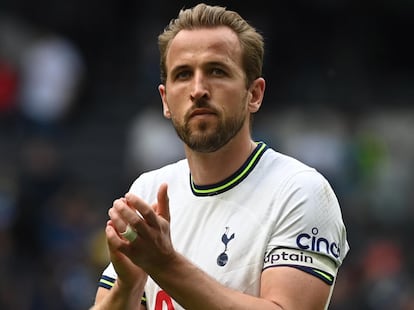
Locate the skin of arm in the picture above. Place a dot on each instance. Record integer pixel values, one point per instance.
(117, 298)
(281, 287)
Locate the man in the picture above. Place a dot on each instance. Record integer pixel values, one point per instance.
(236, 225)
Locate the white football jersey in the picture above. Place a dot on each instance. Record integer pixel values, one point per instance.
(274, 211)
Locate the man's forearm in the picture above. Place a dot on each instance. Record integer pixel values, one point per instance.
(118, 298)
(194, 289)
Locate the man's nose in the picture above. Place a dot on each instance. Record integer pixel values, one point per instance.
(199, 86)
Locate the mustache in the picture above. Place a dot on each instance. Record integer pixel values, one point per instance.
(200, 103)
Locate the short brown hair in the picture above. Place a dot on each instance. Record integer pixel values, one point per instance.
(206, 16)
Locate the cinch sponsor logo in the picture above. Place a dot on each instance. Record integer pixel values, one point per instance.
(319, 244)
(286, 256)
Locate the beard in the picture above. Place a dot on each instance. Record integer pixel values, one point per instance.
(206, 137)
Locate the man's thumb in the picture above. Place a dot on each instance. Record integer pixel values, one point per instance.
(163, 208)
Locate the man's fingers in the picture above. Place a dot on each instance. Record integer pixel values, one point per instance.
(143, 212)
(112, 237)
(163, 207)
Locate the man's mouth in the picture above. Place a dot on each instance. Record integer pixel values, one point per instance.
(201, 112)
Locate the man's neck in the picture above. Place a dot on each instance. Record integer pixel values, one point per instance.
(211, 168)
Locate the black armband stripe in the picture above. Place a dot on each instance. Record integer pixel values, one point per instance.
(323, 275)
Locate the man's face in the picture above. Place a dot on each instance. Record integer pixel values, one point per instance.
(205, 93)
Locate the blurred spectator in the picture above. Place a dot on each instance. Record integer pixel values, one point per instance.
(385, 274)
(53, 233)
(41, 175)
(151, 140)
(8, 88)
(15, 35)
(52, 69)
(318, 137)
(68, 222)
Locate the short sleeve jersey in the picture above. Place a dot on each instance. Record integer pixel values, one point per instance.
(274, 211)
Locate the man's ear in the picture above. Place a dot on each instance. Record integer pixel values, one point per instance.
(166, 109)
(256, 94)
(167, 113)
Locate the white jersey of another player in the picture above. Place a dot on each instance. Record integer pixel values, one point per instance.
(274, 211)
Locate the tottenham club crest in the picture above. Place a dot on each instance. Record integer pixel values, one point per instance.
(223, 258)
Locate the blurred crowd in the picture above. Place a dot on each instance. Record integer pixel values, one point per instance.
(79, 123)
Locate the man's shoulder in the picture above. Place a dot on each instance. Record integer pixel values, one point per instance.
(284, 163)
(284, 172)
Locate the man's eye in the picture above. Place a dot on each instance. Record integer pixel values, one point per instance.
(182, 75)
(217, 72)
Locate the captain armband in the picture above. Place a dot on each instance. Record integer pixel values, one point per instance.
(320, 266)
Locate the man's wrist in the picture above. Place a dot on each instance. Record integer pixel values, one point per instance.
(130, 288)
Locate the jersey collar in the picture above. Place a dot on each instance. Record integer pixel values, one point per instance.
(234, 179)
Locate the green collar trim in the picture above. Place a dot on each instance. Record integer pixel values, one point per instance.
(233, 180)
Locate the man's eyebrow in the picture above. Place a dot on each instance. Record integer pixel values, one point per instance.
(216, 64)
(179, 68)
(209, 64)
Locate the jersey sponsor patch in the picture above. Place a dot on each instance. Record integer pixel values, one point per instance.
(316, 264)
(315, 243)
